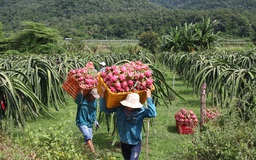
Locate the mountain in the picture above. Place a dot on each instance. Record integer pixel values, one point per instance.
(124, 19)
(207, 4)
(93, 17)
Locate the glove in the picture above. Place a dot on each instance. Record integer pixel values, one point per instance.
(96, 124)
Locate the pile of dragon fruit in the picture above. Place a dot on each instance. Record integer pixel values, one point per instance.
(186, 117)
(86, 76)
(211, 113)
(131, 76)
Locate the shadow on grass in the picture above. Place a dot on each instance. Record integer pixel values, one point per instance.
(177, 85)
(190, 103)
(177, 78)
(106, 140)
(172, 129)
(185, 92)
(194, 103)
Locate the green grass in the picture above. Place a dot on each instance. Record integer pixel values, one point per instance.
(165, 143)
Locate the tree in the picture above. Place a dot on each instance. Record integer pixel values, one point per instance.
(149, 40)
(1, 31)
(35, 38)
(254, 39)
(2, 44)
(192, 36)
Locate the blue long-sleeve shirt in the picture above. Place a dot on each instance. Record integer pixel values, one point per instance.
(129, 123)
(86, 111)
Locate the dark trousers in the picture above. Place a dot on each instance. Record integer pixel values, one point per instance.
(131, 152)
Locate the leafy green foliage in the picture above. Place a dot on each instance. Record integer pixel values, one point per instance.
(191, 37)
(2, 45)
(38, 79)
(21, 102)
(35, 38)
(29, 86)
(1, 32)
(206, 4)
(230, 138)
(227, 75)
(113, 19)
(52, 142)
(254, 38)
(149, 40)
(161, 131)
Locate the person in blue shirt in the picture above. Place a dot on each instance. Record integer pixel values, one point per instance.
(86, 114)
(130, 117)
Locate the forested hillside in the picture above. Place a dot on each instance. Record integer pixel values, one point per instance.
(207, 4)
(122, 19)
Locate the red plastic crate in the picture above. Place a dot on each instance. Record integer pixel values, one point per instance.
(184, 129)
(71, 86)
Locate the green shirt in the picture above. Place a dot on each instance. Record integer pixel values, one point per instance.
(86, 111)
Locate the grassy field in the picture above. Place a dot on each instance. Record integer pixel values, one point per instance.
(48, 137)
(60, 134)
(164, 143)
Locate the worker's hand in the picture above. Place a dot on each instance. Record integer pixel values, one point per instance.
(96, 124)
(82, 87)
(103, 90)
(148, 91)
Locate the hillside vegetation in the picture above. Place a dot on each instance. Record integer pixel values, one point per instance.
(126, 19)
(207, 4)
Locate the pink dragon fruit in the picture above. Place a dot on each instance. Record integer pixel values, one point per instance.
(128, 77)
(186, 117)
(85, 75)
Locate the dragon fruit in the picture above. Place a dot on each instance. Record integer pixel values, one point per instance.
(128, 77)
(187, 117)
(86, 76)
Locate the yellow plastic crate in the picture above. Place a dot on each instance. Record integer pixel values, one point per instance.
(113, 99)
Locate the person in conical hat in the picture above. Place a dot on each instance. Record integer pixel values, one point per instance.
(130, 116)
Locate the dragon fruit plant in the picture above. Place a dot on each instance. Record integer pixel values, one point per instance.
(186, 117)
(128, 77)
